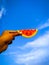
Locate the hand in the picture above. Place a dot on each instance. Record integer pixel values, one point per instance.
(6, 38)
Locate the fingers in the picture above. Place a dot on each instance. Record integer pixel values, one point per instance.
(3, 48)
(11, 31)
(14, 32)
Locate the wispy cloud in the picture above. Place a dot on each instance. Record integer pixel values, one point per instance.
(39, 42)
(2, 12)
(44, 25)
(37, 54)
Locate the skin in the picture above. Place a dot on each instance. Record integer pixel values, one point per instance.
(6, 39)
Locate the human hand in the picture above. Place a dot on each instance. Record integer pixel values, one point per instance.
(6, 38)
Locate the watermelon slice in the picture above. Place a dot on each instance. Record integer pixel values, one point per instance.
(28, 33)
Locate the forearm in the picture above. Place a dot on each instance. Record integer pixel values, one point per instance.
(3, 48)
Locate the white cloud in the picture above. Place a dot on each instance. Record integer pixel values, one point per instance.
(37, 54)
(2, 11)
(44, 25)
(32, 57)
(39, 42)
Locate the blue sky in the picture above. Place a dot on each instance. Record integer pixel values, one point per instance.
(26, 14)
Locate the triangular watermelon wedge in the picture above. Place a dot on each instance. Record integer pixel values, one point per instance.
(28, 33)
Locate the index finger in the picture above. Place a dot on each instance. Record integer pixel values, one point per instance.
(14, 32)
(11, 31)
